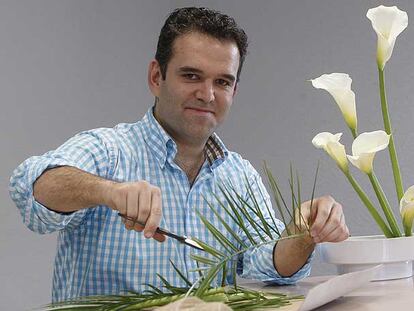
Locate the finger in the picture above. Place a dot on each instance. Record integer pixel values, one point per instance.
(331, 236)
(159, 237)
(138, 224)
(338, 234)
(322, 209)
(302, 218)
(313, 208)
(345, 235)
(155, 216)
(144, 202)
(334, 221)
(132, 209)
(341, 235)
(138, 227)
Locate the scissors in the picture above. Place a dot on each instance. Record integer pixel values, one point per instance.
(180, 238)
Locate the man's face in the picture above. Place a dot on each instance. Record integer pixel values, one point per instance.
(198, 90)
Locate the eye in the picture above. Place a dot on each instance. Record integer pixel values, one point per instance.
(223, 82)
(190, 76)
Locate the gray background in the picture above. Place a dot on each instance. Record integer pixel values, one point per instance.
(67, 66)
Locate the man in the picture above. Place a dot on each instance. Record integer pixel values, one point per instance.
(158, 171)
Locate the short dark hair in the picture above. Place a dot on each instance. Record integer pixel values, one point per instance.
(203, 20)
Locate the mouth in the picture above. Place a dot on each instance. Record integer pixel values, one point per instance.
(199, 110)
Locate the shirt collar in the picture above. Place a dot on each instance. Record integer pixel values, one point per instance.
(164, 147)
(215, 151)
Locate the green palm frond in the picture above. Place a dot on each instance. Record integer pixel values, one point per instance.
(259, 229)
(237, 298)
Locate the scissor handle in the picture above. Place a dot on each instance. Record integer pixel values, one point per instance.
(159, 230)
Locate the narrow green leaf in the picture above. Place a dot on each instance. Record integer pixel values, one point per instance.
(155, 289)
(255, 225)
(234, 272)
(225, 242)
(225, 224)
(234, 208)
(223, 279)
(257, 208)
(208, 279)
(277, 196)
(240, 206)
(167, 285)
(182, 276)
(202, 259)
(310, 220)
(209, 249)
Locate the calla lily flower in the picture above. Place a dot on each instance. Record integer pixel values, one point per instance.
(339, 86)
(364, 148)
(407, 210)
(388, 23)
(330, 143)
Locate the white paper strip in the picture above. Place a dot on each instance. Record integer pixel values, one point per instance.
(337, 287)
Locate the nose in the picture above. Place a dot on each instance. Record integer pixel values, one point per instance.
(205, 92)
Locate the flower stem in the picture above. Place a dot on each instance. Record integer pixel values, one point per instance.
(371, 208)
(408, 225)
(354, 132)
(407, 231)
(385, 205)
(391, 146)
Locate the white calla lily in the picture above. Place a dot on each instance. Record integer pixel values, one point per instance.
(407, 210)
(339, 86)
(330, 143)
(364, 148)
(388, 23)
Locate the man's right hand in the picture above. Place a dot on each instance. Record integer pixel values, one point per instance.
(138, 200)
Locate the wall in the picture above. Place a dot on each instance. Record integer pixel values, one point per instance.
(68, 66)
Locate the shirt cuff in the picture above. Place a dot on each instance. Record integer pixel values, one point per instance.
(303, 272)
(55, 221)
(48, 220)
(260, 266)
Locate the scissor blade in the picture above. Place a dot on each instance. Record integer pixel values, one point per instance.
(193, 243)
(181, 239)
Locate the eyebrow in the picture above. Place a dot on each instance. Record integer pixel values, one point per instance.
(195, 70)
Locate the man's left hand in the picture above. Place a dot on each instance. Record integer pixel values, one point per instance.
(326, 220)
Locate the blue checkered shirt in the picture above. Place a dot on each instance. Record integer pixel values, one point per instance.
(96, 254)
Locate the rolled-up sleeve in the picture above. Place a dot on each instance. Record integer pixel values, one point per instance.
(258, 263)
(87, 151)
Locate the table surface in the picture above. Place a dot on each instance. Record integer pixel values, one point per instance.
(394, 295)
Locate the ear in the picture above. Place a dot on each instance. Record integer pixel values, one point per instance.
(154, 77)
